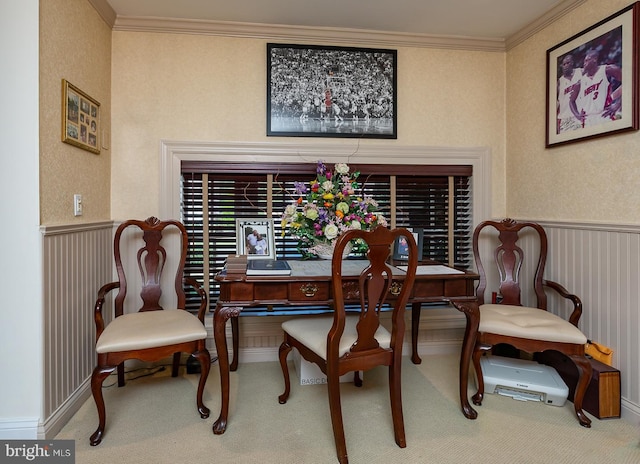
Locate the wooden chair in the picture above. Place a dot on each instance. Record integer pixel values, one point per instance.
(531, 329)
(343, 343)
(152, 333)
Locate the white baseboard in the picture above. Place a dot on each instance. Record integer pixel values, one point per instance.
(19, 428)
(52, 426)
(630, 411)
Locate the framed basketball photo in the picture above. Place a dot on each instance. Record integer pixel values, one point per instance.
(318, 91)
(592, 80)
(401, 247)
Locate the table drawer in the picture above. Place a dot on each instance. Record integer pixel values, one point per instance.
(239, 291)
(269, 292)
(309, 291)
(458, 288)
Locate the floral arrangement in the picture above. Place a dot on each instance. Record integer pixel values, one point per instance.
(326, 207)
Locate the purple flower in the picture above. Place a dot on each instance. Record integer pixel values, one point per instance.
(321, 169)
(301, 187)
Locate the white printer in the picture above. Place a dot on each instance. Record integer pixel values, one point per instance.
(523, 380)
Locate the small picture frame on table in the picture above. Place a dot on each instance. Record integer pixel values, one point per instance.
(255, 238)
(401, 249)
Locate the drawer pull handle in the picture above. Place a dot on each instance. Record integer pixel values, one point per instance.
(395, 288)
(309, 290)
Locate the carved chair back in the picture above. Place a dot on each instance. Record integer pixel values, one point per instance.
(508, 259)
(151, 261)
(374, 287)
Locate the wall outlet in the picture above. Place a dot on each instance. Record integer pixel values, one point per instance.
(77, 205)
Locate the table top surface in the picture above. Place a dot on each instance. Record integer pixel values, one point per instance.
(317, 269)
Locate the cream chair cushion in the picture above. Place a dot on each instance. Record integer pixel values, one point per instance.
(526, 322)
(149, 329)
(312, 332)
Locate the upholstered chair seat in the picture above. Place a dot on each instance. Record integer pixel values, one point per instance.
(312, 332)
(525, 322)
(150, 329)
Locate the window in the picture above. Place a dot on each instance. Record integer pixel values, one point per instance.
(436, 199)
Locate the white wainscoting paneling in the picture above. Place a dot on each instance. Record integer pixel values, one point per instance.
(77, 260)
(601, 264)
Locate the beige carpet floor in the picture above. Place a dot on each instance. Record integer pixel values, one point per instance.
(154, 419)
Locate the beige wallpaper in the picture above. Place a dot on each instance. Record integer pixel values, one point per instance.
(189, 87)
(75, 44)
(594, 180)
(205, 88)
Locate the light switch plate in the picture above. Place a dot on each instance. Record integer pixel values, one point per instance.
(77, 205)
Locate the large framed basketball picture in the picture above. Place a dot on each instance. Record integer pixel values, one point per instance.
(592, 80)
(318, 91)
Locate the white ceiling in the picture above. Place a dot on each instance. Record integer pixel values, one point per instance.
(492, 19)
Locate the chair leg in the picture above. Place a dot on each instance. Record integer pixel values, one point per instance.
(357, 380)
(477, 398)
(584, 376)
(283, 352)
(205, 364)
(121, 374)
(395, 391)
(99, 374)
(333, 387)
(175, 367)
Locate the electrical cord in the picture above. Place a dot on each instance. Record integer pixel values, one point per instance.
(154, 370)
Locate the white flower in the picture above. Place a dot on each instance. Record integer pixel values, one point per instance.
(311, 213)
(370, 201)
(356, 225)
(331, 231)
(290, 210)
(342, 206)
(327, 186)
(342, 168)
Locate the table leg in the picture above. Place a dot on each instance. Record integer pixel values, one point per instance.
(416, 309)
(235, 342)
(472, 314)
(220, 317)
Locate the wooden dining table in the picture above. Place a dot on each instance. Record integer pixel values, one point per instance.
(308, 289)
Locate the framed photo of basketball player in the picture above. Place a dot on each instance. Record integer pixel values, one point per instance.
(401, 248)
(592, 81)
(318, 91)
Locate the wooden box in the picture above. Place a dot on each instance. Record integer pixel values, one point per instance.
(602, 398)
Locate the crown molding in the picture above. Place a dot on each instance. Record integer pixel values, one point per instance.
(345, 36)
(105, 11)
(543, 21)
(304, 33)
